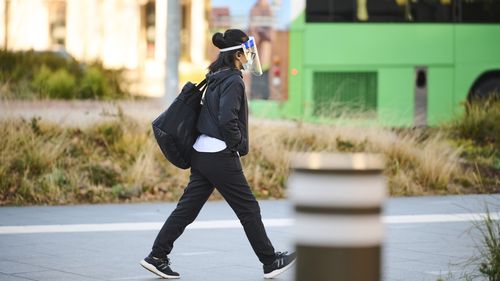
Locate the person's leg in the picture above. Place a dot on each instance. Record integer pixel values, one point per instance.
(195, 195)
(227, 175)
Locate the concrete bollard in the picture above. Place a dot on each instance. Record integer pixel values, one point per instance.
(338, 200)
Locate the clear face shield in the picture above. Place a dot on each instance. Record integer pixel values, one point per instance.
(249, 48)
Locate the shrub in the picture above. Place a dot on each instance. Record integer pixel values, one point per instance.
(480, 122)
(95, 85)
(54, 84)
(40, 79)
(61, 84)
(22, 65)
(477, 132)
(55, 75)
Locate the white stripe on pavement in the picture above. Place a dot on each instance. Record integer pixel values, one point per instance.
(439, 218)
(134, 226)
(216, 224)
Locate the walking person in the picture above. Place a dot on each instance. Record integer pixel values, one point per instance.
(215, 159)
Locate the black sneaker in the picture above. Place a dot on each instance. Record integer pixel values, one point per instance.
(283, 262)
(160, 267)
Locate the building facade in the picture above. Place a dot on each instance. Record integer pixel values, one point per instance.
(122, 34)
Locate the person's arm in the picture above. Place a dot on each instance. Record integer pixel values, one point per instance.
(229, 107)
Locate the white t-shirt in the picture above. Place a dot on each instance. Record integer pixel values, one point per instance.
(205, 143)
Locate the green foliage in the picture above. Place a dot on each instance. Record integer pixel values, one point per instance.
(102, 174)
(95, 85)
(480, 122)
(22, 65)
(59, 84)
(40, 80)
(484, 264)
(29, 74)
(110, 132)
(490, 250)
(477, 133)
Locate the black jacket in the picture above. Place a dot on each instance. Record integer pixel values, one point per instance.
(224, 114)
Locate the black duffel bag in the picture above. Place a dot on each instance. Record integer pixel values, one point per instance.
(175, 129)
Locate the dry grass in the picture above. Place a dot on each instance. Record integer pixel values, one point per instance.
(116, 161)
(43, 163)
(416, 164)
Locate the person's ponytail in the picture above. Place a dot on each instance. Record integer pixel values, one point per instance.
(218, 40)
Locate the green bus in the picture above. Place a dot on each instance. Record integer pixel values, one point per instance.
(404, 62)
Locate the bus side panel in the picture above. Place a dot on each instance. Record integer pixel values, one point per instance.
(470, 45)
(265, 108)
(465, 76)
(395, 96)
(307, 92)
(440, 95)
(378, 44)
(293, 107)
(474, 57)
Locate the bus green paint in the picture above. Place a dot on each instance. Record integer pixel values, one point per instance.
(455, 55)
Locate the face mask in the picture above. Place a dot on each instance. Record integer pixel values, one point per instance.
(247, 65)
(249, 48)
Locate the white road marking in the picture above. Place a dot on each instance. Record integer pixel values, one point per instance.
(225, 224)
(439, 218)
(141, 277)
(442, 273)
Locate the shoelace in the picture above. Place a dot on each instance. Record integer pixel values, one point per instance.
(281, 254)
(164, 261)
(280, 258)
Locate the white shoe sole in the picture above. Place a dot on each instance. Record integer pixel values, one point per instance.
(277, 272)
(153, 269)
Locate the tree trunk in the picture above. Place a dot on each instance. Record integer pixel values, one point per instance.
(6, 25)
(173, 51)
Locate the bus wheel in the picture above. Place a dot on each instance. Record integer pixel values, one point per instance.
(487, 87)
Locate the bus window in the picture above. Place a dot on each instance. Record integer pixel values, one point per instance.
(386, 11)
(330, 10)
(317, 11)
(431, 10)
(480, 11)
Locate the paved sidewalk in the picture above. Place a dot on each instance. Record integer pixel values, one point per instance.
(86, 112)
(106, 242)
(80, 112)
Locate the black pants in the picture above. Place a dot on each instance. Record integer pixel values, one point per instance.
(223, 171)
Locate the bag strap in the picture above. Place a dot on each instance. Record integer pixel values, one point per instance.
(202, 85)
(210, 113)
